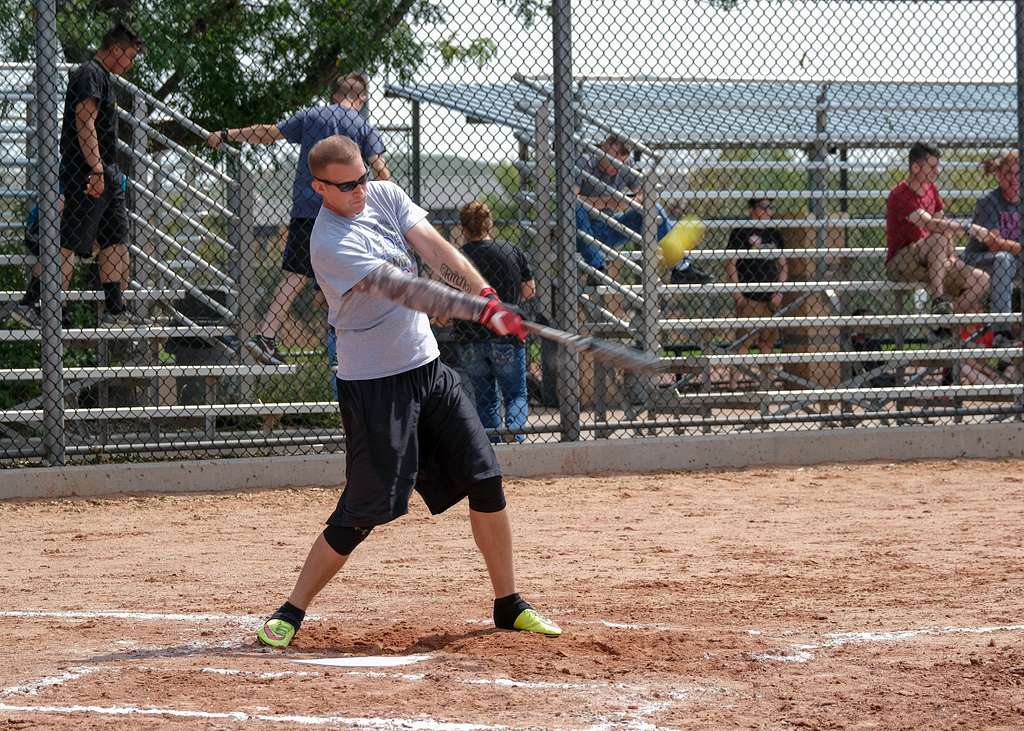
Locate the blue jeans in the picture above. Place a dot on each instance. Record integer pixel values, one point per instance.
(489, 366)
(1001, 266)
(600, 230)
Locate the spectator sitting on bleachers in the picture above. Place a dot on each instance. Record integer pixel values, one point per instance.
(768, 269)
(920, 241)
(623, 181)
(997, 213)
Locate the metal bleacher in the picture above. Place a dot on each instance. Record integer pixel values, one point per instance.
(194, 282)
(916, 358)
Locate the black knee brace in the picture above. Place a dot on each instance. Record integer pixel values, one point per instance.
(486, 496)
(344, 539)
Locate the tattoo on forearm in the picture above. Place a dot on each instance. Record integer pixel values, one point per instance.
(454, 278)
(422, 295)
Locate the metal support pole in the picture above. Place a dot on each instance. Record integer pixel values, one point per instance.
(645, 323)
(415, 153)
(242, 236)
(1019, 26)
(546, 254)
(818, 180)
(48, 101)
(569, 392)
(844, 177)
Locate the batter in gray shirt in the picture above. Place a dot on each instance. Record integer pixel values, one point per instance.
(376, 337)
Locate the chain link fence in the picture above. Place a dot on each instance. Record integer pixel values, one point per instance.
(845, 172)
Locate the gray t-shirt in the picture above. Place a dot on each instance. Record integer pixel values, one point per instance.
(994, 212)
(622, 180)
(376, 337)
(307, 127)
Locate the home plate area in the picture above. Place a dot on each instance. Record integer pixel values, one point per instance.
(880, 596)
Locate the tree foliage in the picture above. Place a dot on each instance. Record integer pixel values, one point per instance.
(234, 62)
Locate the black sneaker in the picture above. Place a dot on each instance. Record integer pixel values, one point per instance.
(266, 349)
(27, 316)
(941, 306)
(690, 275)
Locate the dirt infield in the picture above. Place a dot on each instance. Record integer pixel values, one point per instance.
(872, 596)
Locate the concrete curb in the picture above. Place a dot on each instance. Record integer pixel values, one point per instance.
(989, 441)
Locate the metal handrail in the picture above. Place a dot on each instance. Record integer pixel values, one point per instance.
(193, 288)
(804, 194)
(851, 321)
(188, 253)
(172, 145)
(800, 285)
(206, 234)
(174, 177)
(170, 111)
(856, 356)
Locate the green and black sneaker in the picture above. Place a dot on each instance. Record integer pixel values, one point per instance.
(515, 613)
(279, 630)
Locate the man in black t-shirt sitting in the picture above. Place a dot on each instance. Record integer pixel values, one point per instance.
(761, 302)
(94, 211)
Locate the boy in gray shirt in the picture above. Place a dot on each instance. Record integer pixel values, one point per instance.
(998, 212)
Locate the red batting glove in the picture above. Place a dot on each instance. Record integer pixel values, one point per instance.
(499, 318)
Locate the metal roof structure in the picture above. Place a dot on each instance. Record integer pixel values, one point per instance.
(695, 114)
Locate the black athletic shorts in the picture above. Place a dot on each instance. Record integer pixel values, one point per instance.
(296, 249)
(86, 219)
(416, 430)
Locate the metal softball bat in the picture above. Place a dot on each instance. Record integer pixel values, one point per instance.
(612, 354)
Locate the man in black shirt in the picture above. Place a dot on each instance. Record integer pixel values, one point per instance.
(94, 213)
(492, 362)
(761, 302)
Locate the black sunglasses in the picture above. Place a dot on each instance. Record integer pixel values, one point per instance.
(350, 185)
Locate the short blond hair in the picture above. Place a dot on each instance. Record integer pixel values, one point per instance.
(1001, 163)
(333, 150)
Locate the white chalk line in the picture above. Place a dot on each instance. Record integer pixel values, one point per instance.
(805, 653)
(418, 724)
(50, 681)
(252, 621)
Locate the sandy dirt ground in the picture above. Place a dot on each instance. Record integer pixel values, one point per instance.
(868, 596)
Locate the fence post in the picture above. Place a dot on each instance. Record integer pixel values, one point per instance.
(48, 111)
(1019, 28)
(647, 329)
(565, 157)
(547, 253)
(417, 163)
(241, 235)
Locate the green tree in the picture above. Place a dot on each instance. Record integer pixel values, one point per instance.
(233, 62)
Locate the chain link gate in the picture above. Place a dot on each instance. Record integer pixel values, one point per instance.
(168, 309)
